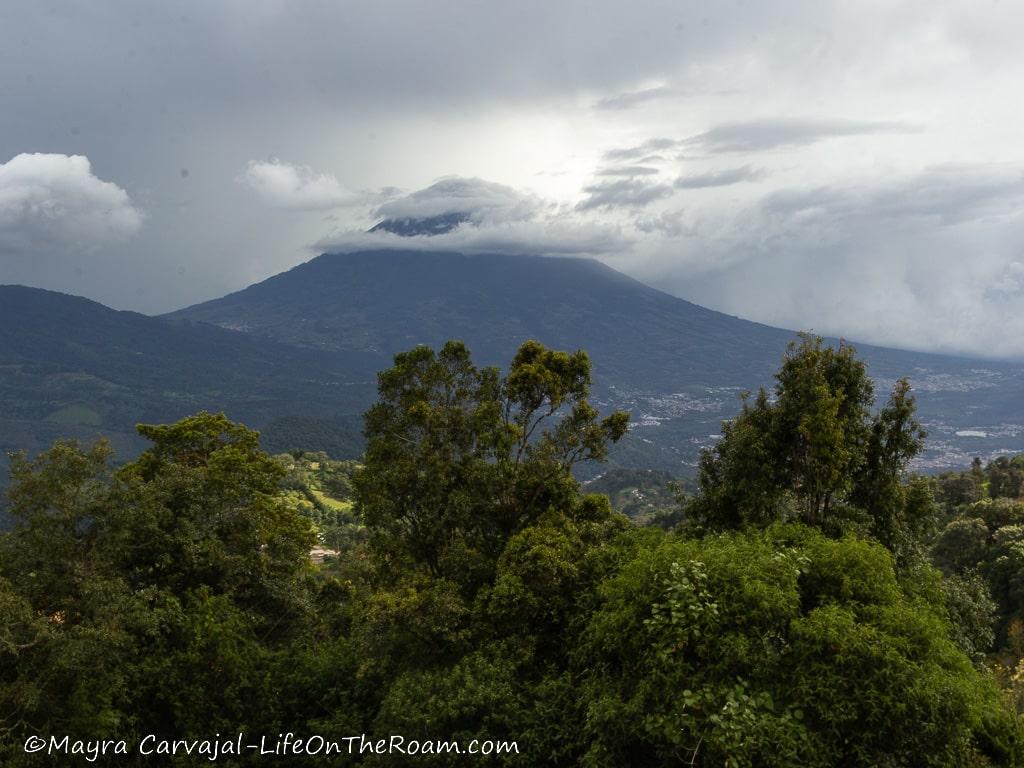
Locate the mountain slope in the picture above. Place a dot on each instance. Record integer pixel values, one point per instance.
(388, 301)
(677, 366)
(73, 367)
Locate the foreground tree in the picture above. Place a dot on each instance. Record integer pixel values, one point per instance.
(70, 618)
(495, 601)
(815, 453)
(785, 648)
(151, 595)
(208, 514)
(460, 458)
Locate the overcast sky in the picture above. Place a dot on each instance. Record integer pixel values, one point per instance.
(852, 167)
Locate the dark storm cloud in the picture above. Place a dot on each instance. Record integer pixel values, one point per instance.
(721, 178)
(639, 151)
(182, 107)
(624, 193)
(429, 55)
(628, 170)
(147, 91)
(761, 135)
(949, 194)
(633, 98)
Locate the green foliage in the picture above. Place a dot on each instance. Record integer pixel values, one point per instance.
(962, 545)
(982, 540)
(780, 648)
(1005, 570)
(972, 613)
(547, 568)
(215, 519)
(478, 697)
(494, 600)
(73, 614)
(955, 489)
(320, 488)
(150, 594)
(1006, 477)
(1000, 484)
(646, 496)
(815, 454)
(459, 458)
(495, 666)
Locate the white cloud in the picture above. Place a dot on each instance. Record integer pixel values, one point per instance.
(483, 201)
(623, 193)
(631, 99)
(765, 134)
(536, 238)
(628, 170)
(485, 218)
(926, 260)
(53, 202)
(638, 151)
(722, 178)
(297, 187)
(945, 194)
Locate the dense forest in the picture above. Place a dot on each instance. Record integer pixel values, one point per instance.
(806, 603)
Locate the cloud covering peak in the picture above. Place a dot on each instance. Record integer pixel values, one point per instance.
(871, 259)
(480, 201)
(472, 215)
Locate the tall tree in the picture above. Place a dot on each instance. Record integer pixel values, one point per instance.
(901, 515)
(459, 458)
(210, 515)
(814, 451)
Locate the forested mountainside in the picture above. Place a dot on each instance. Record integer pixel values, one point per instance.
(70, 367)
(295, 357)
(677, 367)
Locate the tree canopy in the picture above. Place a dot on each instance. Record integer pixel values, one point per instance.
(458, 458)
(146, 593)
(814, 452)
(481, 594)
